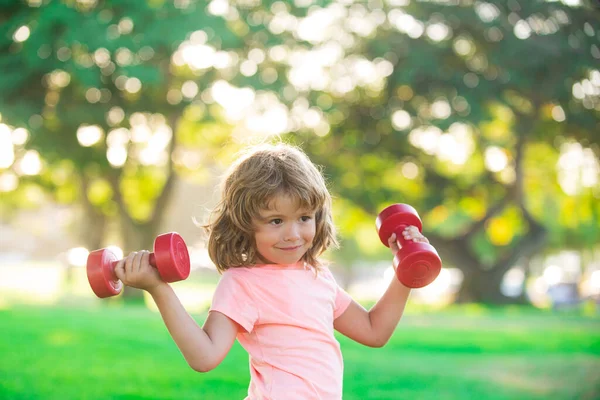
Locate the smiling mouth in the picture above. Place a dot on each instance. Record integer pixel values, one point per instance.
(289, 248)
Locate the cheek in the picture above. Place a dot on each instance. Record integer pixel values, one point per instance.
(264, 235)
(258, 237)
(311, 232)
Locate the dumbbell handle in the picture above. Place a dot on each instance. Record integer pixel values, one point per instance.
(400, 239)
(113, 265)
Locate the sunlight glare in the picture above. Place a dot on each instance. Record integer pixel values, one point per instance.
(31, 163)
(438, 31)
(20, 136)
(410, 170)
(426, 138)
(401, 120)
(522, 30)
(558, 114)
(234, 100)
(117, 137)
(442, 288)
(553, 275)
(21, 34)
(198, 56)
(77, 256)
(116, 155)
(32, 284)
(440, 109)
(317, 26)
(495, 159)
(577, 168)
(8, 181)
(89, 135)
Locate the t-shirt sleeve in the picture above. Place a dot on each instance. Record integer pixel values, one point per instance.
(233, 298)
(342, 298)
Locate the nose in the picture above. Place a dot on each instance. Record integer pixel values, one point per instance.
(292, 233)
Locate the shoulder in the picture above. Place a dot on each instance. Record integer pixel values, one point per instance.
(325, 273)
(327, 276)
(234, 276)
(235, 280)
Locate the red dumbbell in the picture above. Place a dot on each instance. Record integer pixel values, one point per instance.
(417, 264)
(170, 257)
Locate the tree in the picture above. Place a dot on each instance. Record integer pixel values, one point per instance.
(98, 85)
(483, 79)
(448, 107)
(106, 90)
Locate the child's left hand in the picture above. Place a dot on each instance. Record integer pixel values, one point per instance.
(410, 233)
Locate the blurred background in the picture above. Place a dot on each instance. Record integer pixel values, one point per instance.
(117, 119)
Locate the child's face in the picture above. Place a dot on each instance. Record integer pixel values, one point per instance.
(283, 232)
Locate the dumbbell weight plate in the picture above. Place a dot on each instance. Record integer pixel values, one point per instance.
(417, 264)
(172, 257)
(394, 216)
(101, 274)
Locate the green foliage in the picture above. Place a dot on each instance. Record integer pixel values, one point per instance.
(513, 76)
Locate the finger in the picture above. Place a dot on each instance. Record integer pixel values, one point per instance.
(142, 260)
(392, 239)
(417, 236)
(407, 233)
(129, 263)
(120, 269)
(135, 261)
(145, 259)
(393, 243)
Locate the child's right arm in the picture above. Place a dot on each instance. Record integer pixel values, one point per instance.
(202, 347)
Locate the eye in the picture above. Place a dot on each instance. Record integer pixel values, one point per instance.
(276, 221)
(306, 218)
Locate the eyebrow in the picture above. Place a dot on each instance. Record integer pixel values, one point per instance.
(269, 216)
(273, 216)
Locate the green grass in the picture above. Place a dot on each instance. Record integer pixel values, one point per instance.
(126, 353)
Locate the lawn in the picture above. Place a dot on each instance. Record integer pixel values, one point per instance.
(462, 353)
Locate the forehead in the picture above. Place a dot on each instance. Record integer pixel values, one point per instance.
(285, 203)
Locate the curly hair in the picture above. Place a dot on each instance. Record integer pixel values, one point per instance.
(250, 184)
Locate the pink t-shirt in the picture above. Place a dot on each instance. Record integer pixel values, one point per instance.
(287, 314)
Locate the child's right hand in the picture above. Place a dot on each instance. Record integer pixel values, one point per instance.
(135, 271)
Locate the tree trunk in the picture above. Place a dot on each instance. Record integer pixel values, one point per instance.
(140, 236)
(482, 287)
(484, 284)
(485, 287)
(137, 237)
(93, 229)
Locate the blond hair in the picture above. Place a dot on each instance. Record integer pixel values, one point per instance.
(250, 184)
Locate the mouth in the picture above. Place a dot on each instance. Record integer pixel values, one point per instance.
(290, 248)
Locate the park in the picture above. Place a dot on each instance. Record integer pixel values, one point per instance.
(478, 122)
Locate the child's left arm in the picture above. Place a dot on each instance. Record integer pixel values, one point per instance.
(375, 327)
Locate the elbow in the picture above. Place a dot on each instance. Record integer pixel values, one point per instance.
(201, 367)
(379, 342)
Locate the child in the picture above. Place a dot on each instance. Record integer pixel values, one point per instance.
(275, 295)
